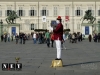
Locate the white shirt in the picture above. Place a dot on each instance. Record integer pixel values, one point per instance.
(34, 35)
(64, 37)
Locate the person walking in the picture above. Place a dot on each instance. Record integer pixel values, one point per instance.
(5, 37)
(47, 36)
(52, 39)
(21, 38)
(34, 38)
(17, 38)
(2, 38)
(58, 36)
(8, 37)
(90, 38)
(63, 41)
(24, 38)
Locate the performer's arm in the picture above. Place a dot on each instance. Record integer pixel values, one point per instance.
(57, 29)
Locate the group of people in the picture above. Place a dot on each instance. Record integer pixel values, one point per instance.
(95, 37)
(73, 38)
(8, 38)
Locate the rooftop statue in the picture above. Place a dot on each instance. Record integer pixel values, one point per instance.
(12, 17)
(88, 16)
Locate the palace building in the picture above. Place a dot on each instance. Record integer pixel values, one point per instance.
(32, 13)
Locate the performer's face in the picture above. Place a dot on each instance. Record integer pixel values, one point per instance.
(58, 21)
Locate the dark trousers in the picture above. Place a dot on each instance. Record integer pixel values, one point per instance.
(12, 39)
(48, 42)
(1, 39)
(16, 41)
(89, 40)
(5, 39)
(52, 41)
(23, 41)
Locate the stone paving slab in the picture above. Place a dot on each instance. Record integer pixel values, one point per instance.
(82, 58)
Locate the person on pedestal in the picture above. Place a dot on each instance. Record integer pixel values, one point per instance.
(58, 37)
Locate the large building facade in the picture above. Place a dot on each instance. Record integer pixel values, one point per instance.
(31, 14)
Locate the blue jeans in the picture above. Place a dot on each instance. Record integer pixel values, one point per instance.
(8, 39)
(34, 40)
(40, 41)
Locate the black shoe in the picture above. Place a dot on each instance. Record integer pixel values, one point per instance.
(58, 59)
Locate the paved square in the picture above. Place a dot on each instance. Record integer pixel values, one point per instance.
(82, 58)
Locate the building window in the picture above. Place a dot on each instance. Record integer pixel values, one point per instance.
(99, 12)
(7, 12)
(78, 11)
(55, 11)
(0, 13)
(21, 12)
(32, 26)
(44, 12)
(66, 11)
(33, 12)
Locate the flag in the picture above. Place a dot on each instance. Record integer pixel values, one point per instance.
(66, 18)
(43, 18)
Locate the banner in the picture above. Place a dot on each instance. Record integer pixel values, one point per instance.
(43, 18)
(66, 18)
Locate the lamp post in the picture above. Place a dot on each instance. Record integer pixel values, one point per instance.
(1, 26)
(98, 26)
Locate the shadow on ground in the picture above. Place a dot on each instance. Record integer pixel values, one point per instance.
(81, 63)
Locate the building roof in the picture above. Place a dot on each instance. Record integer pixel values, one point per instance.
(49, 0)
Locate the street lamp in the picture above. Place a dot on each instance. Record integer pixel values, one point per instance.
(1, 23)
(99, 26)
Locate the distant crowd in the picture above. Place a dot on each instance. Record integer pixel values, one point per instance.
(47, 37)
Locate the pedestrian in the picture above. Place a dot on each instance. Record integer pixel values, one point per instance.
(12, 36)
(2, 38)
(63, 41)
(5, 37)
(24, 38)
(17, 38)
(34, 38)
(90, 38)
(20, 36)
(52, 39)
(8, 37)
(58, 36)
(47, 36)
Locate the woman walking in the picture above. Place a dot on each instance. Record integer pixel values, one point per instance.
(52, 39)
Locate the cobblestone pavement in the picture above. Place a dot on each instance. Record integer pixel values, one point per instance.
(82, 58)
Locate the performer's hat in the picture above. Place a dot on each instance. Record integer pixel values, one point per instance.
(59, 18)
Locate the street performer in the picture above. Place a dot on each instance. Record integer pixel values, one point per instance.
(58, 36)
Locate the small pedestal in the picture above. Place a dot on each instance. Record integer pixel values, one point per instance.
(57, 63)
